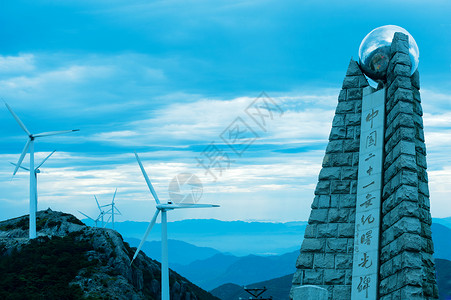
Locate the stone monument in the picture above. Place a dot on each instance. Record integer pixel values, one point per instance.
(369, 231)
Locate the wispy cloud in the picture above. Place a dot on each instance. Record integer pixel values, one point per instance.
(17, 64)
(167, 78)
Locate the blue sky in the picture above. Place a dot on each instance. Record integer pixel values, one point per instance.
(167, 78)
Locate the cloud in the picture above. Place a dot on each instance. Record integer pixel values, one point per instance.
(70, 179)
(439, 191)
(23, 63)
(282, 163)
(204, 120)
(66, 186)
(167, 78)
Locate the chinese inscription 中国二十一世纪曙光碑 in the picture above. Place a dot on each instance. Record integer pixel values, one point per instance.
(366, 260)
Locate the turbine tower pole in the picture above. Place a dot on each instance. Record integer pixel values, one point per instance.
(112, 216)
(33, 200)
(112, 207)
(164, 257)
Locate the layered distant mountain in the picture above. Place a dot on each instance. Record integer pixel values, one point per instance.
(240, 252)
(234, 237)
(179, 252)
(219, 269)
(277, 288)
(442, 221)
(442, 242)
(243, 238)
(213, 268)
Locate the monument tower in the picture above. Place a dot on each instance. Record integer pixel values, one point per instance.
(369, 231)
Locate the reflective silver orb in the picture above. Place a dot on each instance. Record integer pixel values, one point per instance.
(374, 51)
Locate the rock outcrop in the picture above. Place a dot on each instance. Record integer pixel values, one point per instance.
(98, 258)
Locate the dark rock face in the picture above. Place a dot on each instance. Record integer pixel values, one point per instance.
(103, 270)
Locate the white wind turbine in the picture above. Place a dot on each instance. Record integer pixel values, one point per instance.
(113, 210)
(30, 145)
(163, 208)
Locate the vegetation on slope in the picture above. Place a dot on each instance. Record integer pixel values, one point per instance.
(43, 269)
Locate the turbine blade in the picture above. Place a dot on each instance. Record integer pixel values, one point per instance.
(22, 125)
(19, 166)
(118, 210)
(86, 216)
(44, 160)
(114, 196)
(54, 132)
(149, 184)
(24, 151)
(106, 223)
(149, 228)
(98, 205)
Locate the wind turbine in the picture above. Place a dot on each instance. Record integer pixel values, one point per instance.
(99, 217)
(113, 210)
(30, 145)
(102, 212)
(95, 221)
(163, 208)
(36, 171)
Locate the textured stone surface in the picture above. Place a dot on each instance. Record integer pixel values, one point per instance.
(407, 270)
(309, 292)
(305, 261)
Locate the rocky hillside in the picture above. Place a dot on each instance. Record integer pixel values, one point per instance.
(69, 260)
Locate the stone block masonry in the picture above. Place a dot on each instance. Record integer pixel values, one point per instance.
(326, 252)
(407, 267)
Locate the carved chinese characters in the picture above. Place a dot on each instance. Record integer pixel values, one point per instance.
(366, 243)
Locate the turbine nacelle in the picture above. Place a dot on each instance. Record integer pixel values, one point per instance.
(37, 169)
(31, 136)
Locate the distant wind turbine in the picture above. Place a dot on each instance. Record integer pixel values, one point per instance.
(94, 220)
(163, 208)
(101, 211)
(113, 210)
(30, 145)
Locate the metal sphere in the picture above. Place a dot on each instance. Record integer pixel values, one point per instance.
(374, 51)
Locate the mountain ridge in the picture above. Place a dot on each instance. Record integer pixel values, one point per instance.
(100, 268)
(224, 236)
